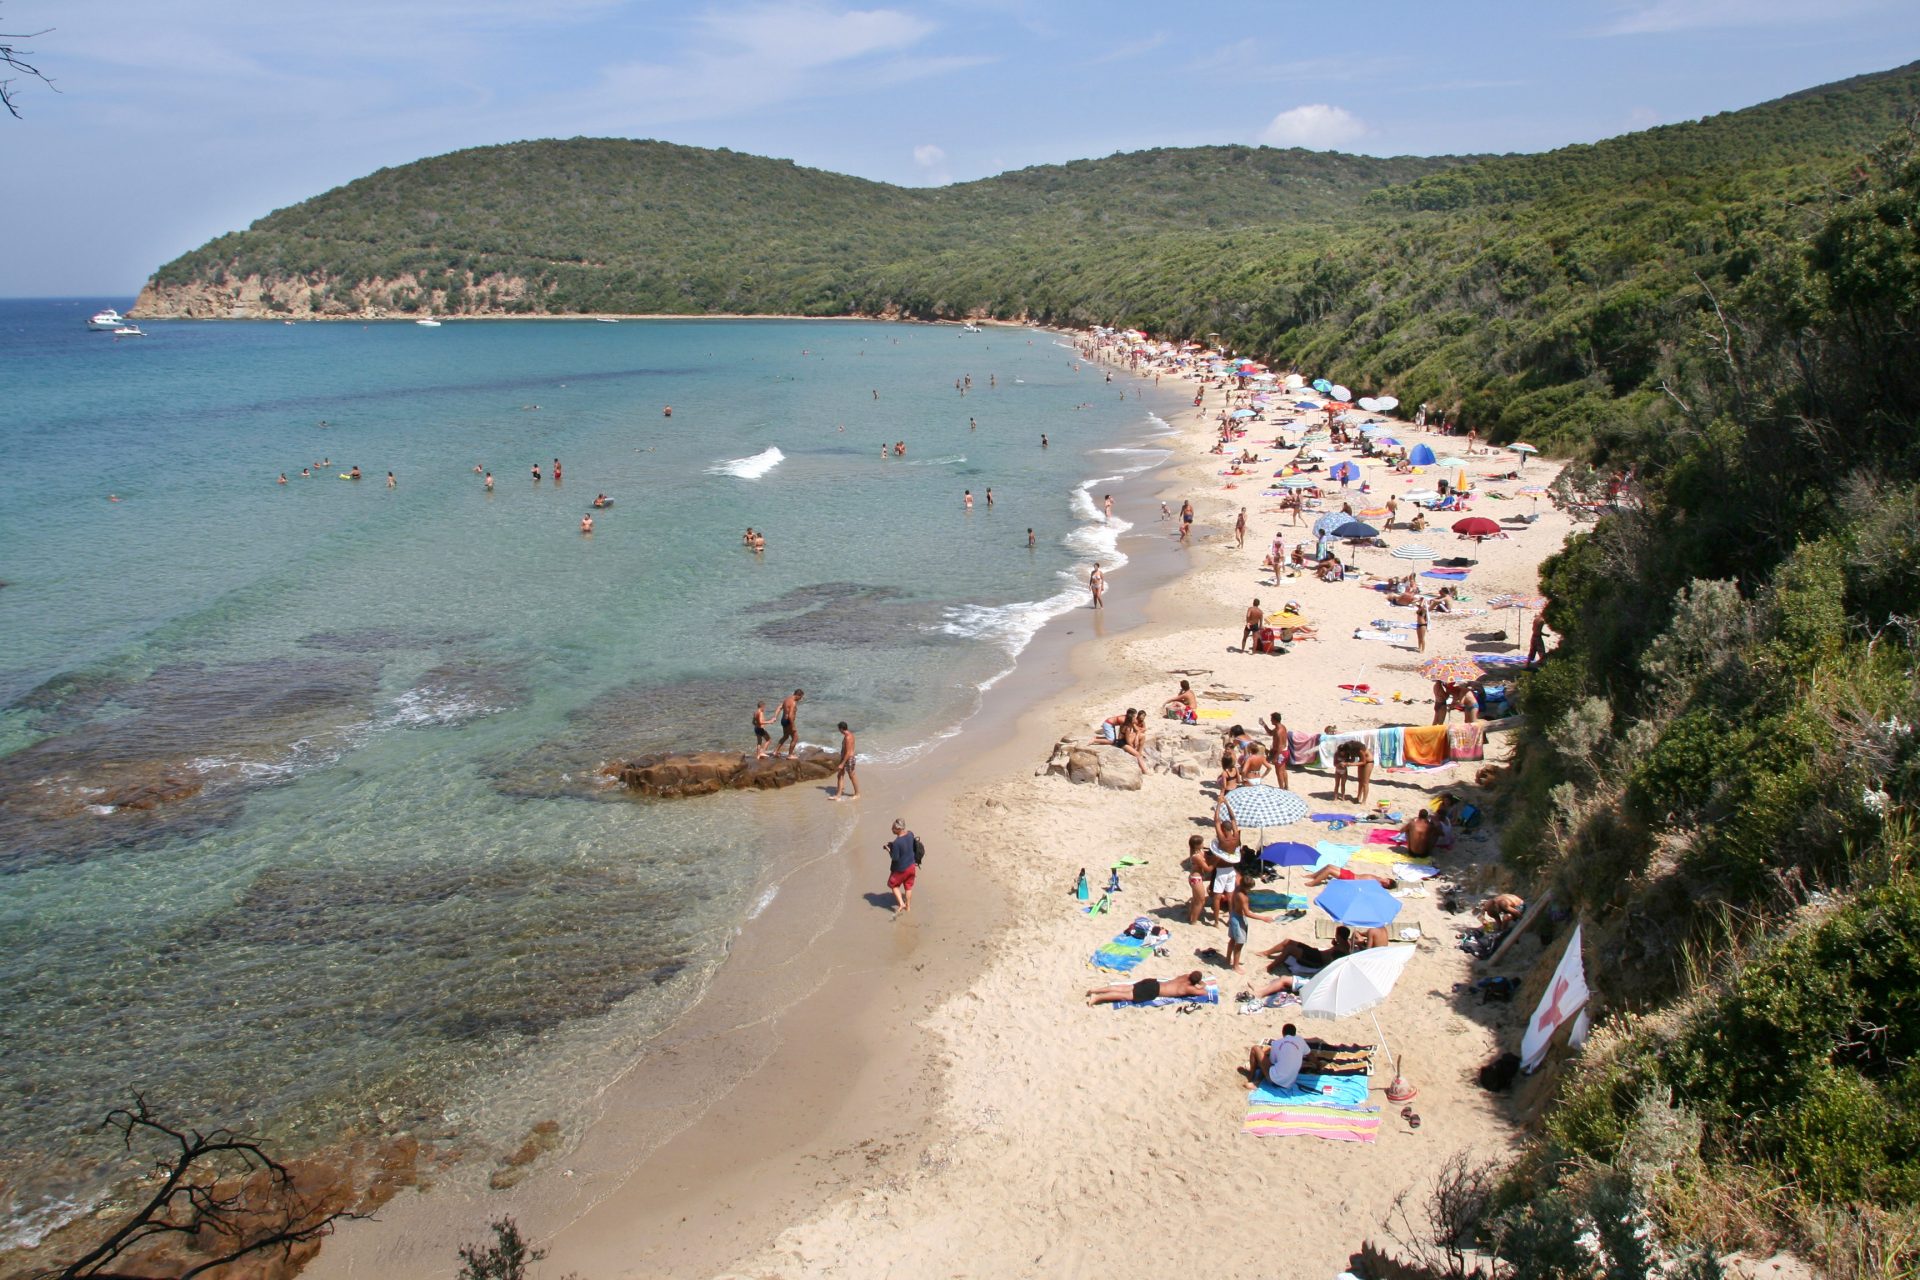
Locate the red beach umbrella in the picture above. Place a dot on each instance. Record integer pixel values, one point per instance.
(1476, 527)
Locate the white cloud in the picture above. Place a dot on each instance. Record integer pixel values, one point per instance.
(1316, 126)
(928, 156)
(1659, 17)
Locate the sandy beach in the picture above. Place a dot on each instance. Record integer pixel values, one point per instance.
(860, 1095)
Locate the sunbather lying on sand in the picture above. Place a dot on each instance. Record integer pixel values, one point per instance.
(1192, 984)
(1308, 956)
(1330, 872)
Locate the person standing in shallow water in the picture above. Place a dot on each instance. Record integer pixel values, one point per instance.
(1097, 583)
(843, 774)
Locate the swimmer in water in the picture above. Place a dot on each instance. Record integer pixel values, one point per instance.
(283, 478)
(489, 482)
(390, 480)
(989, 495)
(968, 499)
(667, 412)
(306, 473)
(586, 524)
(354, 474)
(1043, 439)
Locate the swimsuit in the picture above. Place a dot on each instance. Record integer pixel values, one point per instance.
(786, 726)
(1146, 989)
(760, 733)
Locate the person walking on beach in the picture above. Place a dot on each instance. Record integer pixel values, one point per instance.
(789, 714)
(1255, 620)
(903, 867)
(1240, 530)
(1420, 625)
(843, 774)
(761, 738)
(1186, 519)
(1097, 583)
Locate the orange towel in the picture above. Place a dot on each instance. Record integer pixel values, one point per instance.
(1426, 744)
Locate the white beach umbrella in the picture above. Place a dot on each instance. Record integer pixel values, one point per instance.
(1356, 983)
(1414, 551)
(1388, 403)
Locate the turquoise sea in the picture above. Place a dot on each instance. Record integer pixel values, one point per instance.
(299, 821)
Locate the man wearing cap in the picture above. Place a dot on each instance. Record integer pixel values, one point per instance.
(902, 867)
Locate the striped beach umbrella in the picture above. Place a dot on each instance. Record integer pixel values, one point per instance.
(1414, 551)
(1297, 482)
(1519, 602)
(1260, 805)
(1459, 669)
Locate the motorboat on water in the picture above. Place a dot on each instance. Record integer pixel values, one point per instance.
(106, 321)
(970, 327)
(428, 324)
(129, 331)
(605, 320)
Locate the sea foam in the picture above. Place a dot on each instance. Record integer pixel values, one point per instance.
(749, 468)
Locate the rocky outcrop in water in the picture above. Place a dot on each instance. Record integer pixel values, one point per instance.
(672, 774)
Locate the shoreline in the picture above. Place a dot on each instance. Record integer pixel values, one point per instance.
(668, 1148)
(875, 1119)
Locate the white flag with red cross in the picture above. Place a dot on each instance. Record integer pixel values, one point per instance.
(1566, 996)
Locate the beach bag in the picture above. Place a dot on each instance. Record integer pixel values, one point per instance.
(919, 852)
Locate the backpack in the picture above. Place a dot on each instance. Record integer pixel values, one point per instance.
(919, 852)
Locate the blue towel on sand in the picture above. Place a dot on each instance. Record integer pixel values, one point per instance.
(1314, 1091)
(1333, 855)
(1445, 575)
(1121, 955)
(1331, 817)
(1212, 997)
(1271, 900)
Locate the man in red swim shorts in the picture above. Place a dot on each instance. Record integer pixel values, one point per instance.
(903, 867)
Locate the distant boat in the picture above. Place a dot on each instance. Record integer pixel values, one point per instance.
(106, 321)
(128, 331)
(430, 324)
(605, 320)
(970, 327)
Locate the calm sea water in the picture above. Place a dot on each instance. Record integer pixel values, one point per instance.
(298, 818)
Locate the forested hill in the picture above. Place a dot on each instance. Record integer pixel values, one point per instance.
(597, 224)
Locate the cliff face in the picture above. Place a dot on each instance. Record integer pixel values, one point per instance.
(317, 298)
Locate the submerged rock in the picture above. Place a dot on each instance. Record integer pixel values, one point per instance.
(670, 775)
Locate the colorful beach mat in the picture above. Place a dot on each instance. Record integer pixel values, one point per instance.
(1312, 1090)
(1122, 955)
(1333, 1124)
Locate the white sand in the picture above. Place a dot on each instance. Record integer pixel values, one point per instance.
(1076, 1141)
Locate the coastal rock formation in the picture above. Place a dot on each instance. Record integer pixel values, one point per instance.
(672, 774)
(1179, 750)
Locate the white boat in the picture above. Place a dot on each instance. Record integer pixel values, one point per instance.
(970, 327)
(430, 324)
(605, 320)
(128, 331)
(106, 321)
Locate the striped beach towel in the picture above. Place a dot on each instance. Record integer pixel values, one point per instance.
(1297, 1121)
(1313, 1090)
(1339, 1060)
(1465, 742)
(1212, 997)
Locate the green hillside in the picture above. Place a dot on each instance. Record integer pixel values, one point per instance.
(611, 225)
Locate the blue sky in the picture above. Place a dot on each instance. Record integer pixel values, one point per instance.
(177, 120)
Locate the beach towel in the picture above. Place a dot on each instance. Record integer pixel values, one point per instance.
(1445, 575)
(1391, 836)
(1338, 1059)
(1501, 659)
(1376, 856)
(1387, 636)
(1313, 1091)
(1298, 1121)
(1414, 871)
(1465, 742)
(1122, 955)
(1332, 854)
(1425, 744)
(1212, 997)
(1268, 900)
(1302, 748)
(1215, 713)
(1390, 747)
(1341, 818)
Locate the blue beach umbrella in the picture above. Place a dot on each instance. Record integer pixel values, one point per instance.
(1356, 530)
(1326, 524)
(1289, 853)
(1344, 471)
(1322, 385)
(1305, 404)
(1421, 456)
(1360, 904)
(1242, 413)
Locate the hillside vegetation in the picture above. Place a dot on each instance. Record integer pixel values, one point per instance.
(1721, 770)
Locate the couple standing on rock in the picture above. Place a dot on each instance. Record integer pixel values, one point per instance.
(843, 775)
